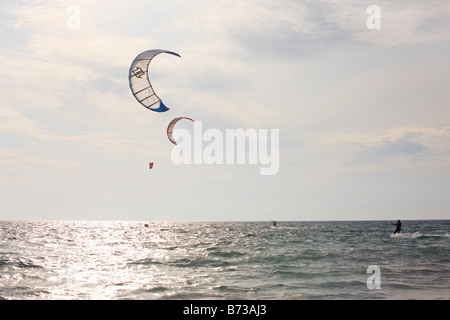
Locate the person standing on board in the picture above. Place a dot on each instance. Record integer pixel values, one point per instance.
(398, 226)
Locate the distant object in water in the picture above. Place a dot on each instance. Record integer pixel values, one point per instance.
(274, 223)
(398, 225)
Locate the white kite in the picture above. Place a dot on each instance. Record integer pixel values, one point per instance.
(140, 83)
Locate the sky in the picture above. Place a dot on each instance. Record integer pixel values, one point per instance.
(360, 99)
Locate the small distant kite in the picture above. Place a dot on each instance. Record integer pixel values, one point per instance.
(172, 125)
(150, 165)
(140, 83)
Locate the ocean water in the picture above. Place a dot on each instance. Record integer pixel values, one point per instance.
(224, 260)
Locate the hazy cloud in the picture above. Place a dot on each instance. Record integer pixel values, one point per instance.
(348, 101)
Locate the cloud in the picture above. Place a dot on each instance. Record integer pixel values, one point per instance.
(401, 22)
(346, 99)
(24, 162)
(291, 28)
(13, 121)
(392, 149)
(403, 148)
(29, 143)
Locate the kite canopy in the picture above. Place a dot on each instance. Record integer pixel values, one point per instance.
(150, 165)
(172, 125)
(140, 83)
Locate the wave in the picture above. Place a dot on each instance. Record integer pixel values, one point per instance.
(226, 254)
(20, 263)
(417, 235)
(146, 261)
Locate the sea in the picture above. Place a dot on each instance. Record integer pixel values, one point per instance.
(138, 260)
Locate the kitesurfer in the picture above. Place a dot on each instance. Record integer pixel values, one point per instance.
(398, 227)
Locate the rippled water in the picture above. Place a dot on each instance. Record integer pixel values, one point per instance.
(227, 260)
